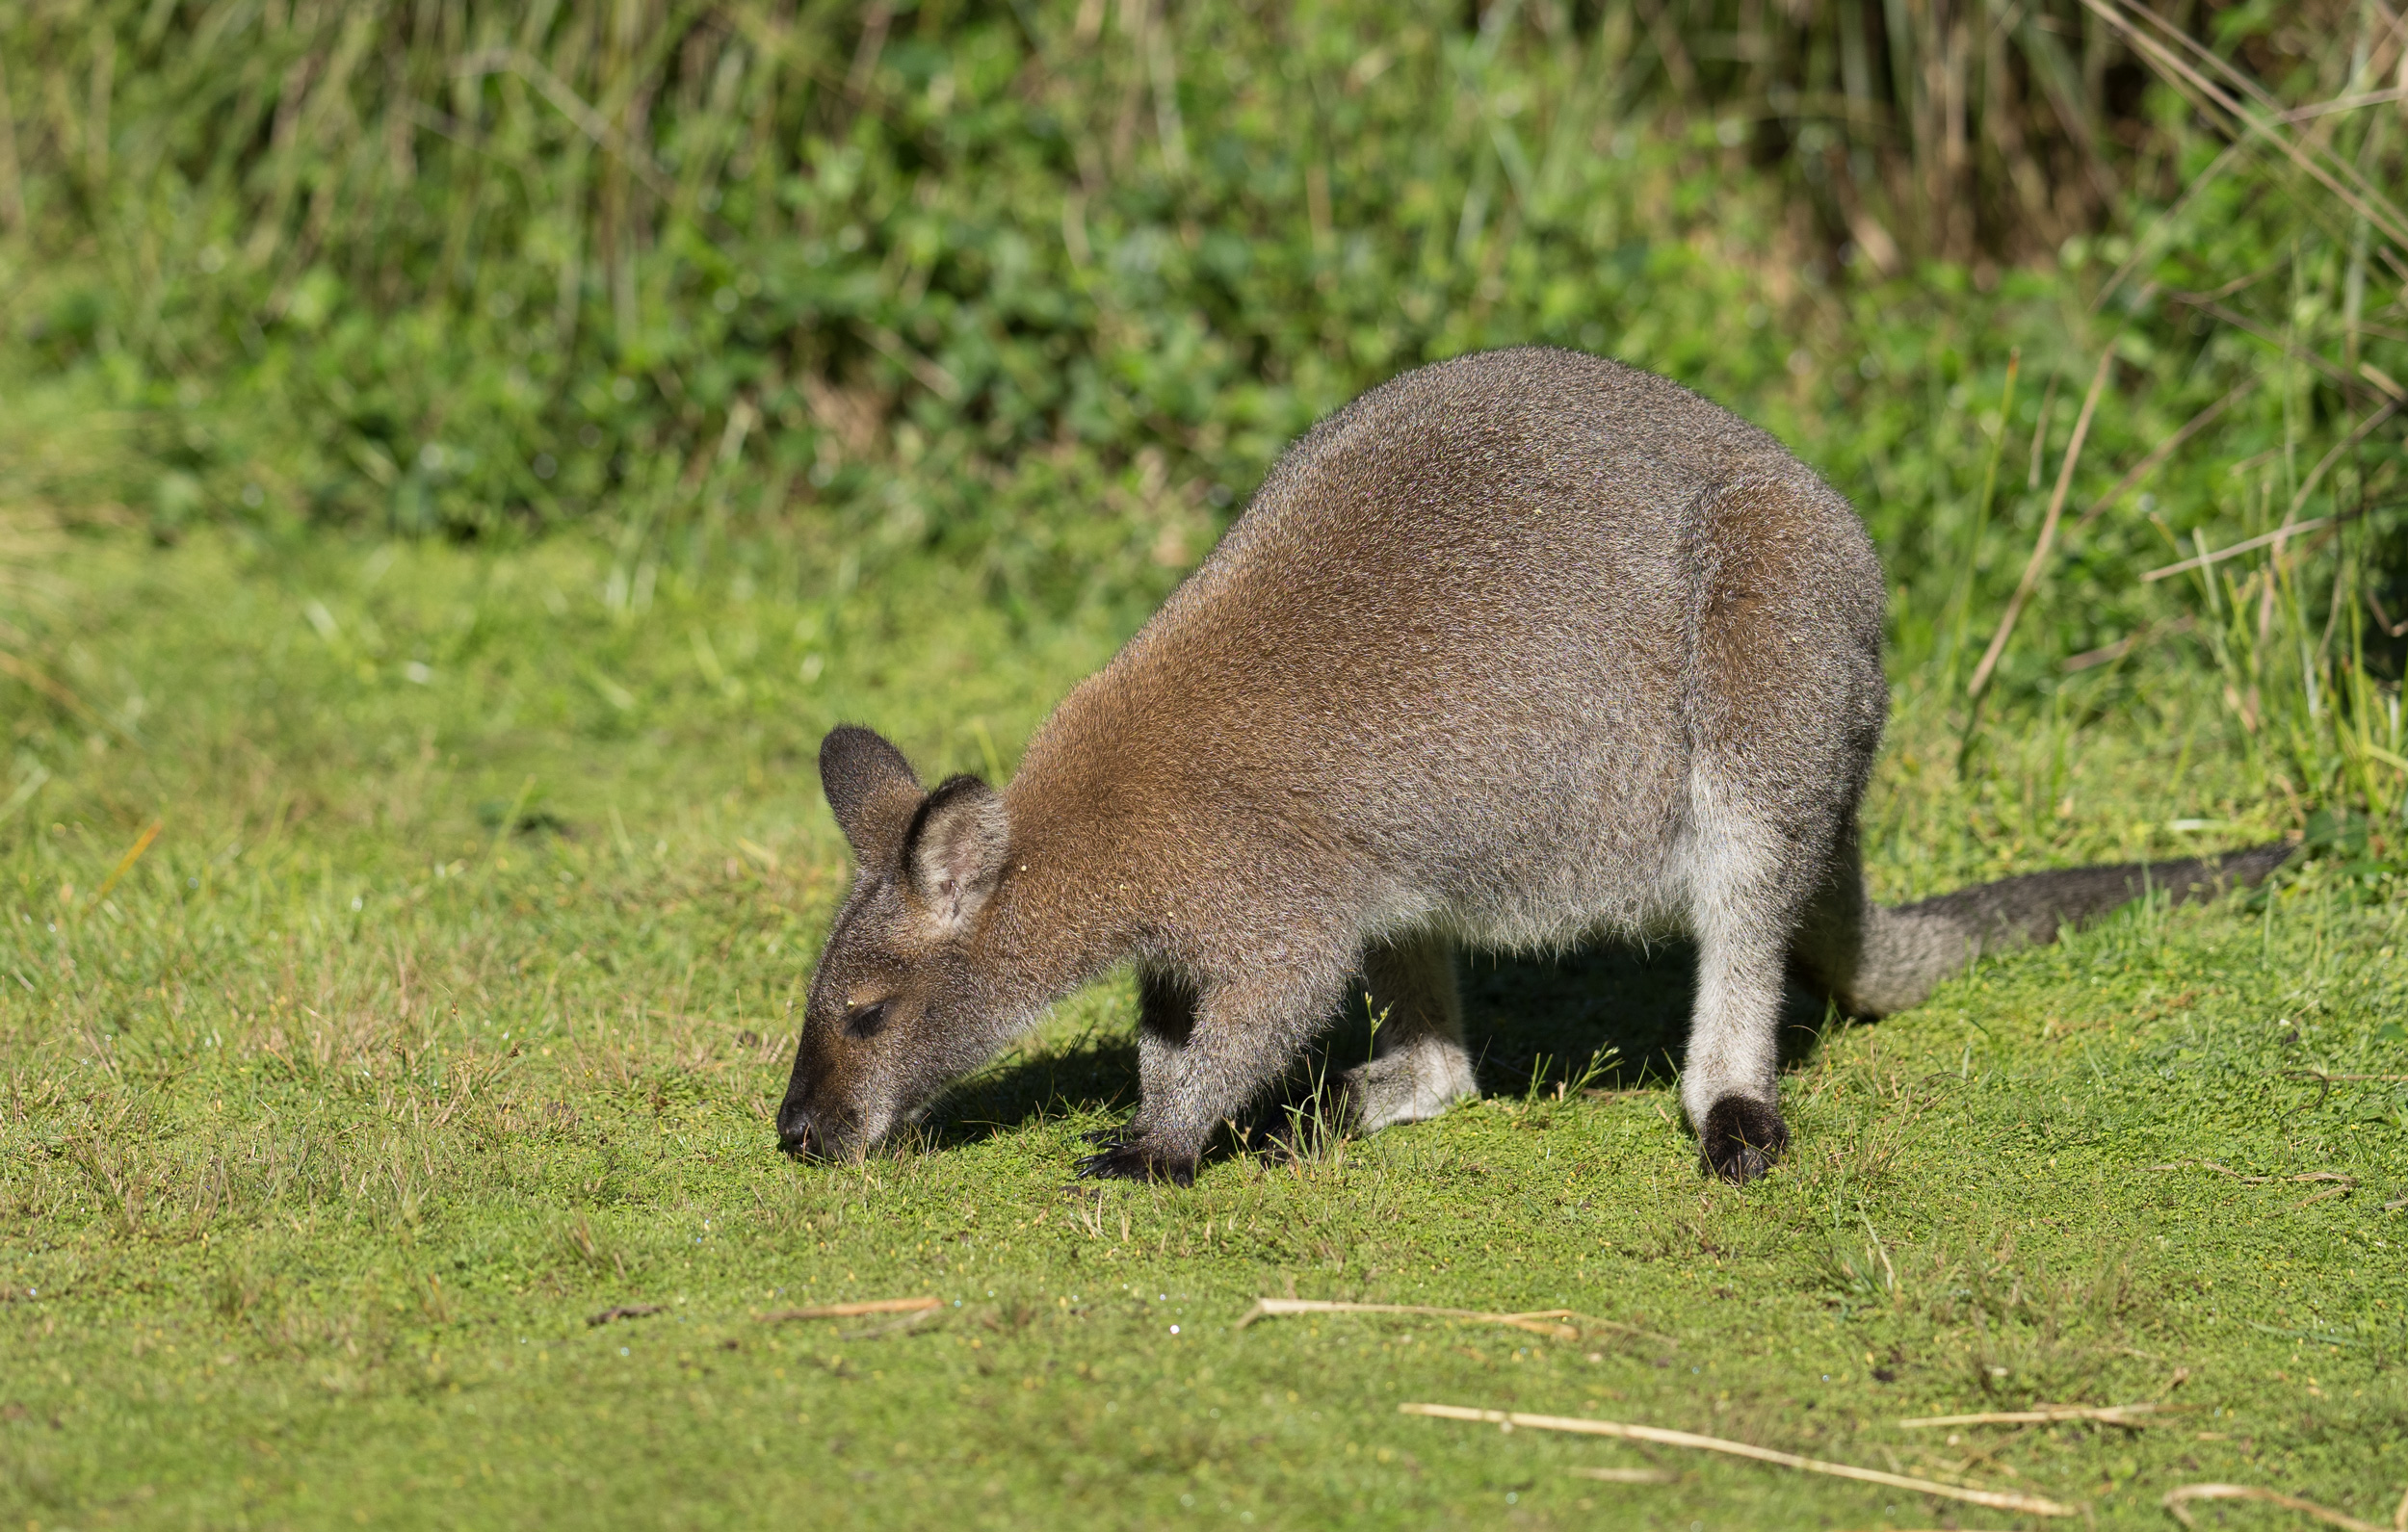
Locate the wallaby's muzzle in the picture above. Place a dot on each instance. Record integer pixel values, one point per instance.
(794, 1130)
(809, 1135)
(832, 1111)
(809, 1132)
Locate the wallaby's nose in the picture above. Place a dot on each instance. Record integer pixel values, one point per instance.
(794, 1133)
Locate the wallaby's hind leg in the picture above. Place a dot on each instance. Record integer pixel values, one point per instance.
(1419, 1067)
(1728, 1085)
(1784, 714)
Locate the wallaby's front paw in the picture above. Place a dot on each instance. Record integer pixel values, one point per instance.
(1740, 1139)
(1110, 1137)
(1135, 1162)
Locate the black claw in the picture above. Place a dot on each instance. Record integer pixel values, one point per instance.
(1741, 1139)
(1112, 1164)
(1129, 1163)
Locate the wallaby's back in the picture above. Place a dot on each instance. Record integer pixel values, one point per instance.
(1456, 651)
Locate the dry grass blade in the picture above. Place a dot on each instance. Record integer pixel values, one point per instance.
(2114, 1414)
(1997, 1499)
(2146, 245)
(2307, 355)
(1537, 1321)
(912, 1320)
(2278, 534)
(2163, 450)
(133, 854)
(2364, 429)
(853, 1310)
(2109, 653)
(23, 795)
(895, 349)
(1623, 1475)
(570, 105)
(35, 677)
(2230, 1173)
(2047, 528)
(2177, 1501)
(2383, 217)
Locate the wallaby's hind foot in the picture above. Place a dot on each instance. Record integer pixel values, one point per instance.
(1419, 1066)
(1410, 1085)
(1740, 1139)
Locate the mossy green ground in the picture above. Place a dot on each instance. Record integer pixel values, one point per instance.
(451, 1005)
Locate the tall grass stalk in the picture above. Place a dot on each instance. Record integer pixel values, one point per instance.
(1959, 619)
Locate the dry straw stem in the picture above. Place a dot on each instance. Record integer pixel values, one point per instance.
(2259, 1181)
(1534, 1321)
(2047, 528)
(853, 1310)
(2114, 1414)
(1623, 1475)
(1997, 1499)
(2177, 1501)
(2305, 355)
(893, 346)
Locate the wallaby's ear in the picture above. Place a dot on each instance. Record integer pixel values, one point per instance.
(871, 789)
(956, 849)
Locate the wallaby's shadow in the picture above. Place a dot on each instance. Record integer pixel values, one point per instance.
(1531, 1021)
(1536, 1020)
(1097, 1072)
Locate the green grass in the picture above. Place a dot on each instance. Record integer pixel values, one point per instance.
(837, 368)
(449, 1006)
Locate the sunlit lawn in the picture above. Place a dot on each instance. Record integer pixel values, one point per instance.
(449, 1006)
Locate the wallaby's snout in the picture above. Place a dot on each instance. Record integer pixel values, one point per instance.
(817, 1121)
(810, 1129)
(852, 1078)
(813, 1121)
(793, 1124)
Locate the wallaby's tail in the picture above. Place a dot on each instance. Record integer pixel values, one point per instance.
(1875, 959)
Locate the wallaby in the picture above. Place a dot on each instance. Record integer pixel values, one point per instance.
(1514, 650)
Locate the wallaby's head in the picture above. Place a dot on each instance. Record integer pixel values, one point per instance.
(901, 1002)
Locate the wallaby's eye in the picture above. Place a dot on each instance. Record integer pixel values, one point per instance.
(864, 1020)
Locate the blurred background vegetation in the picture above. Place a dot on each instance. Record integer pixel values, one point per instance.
(2061, 292)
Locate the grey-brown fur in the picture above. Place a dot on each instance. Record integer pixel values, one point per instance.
(1512, 651)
